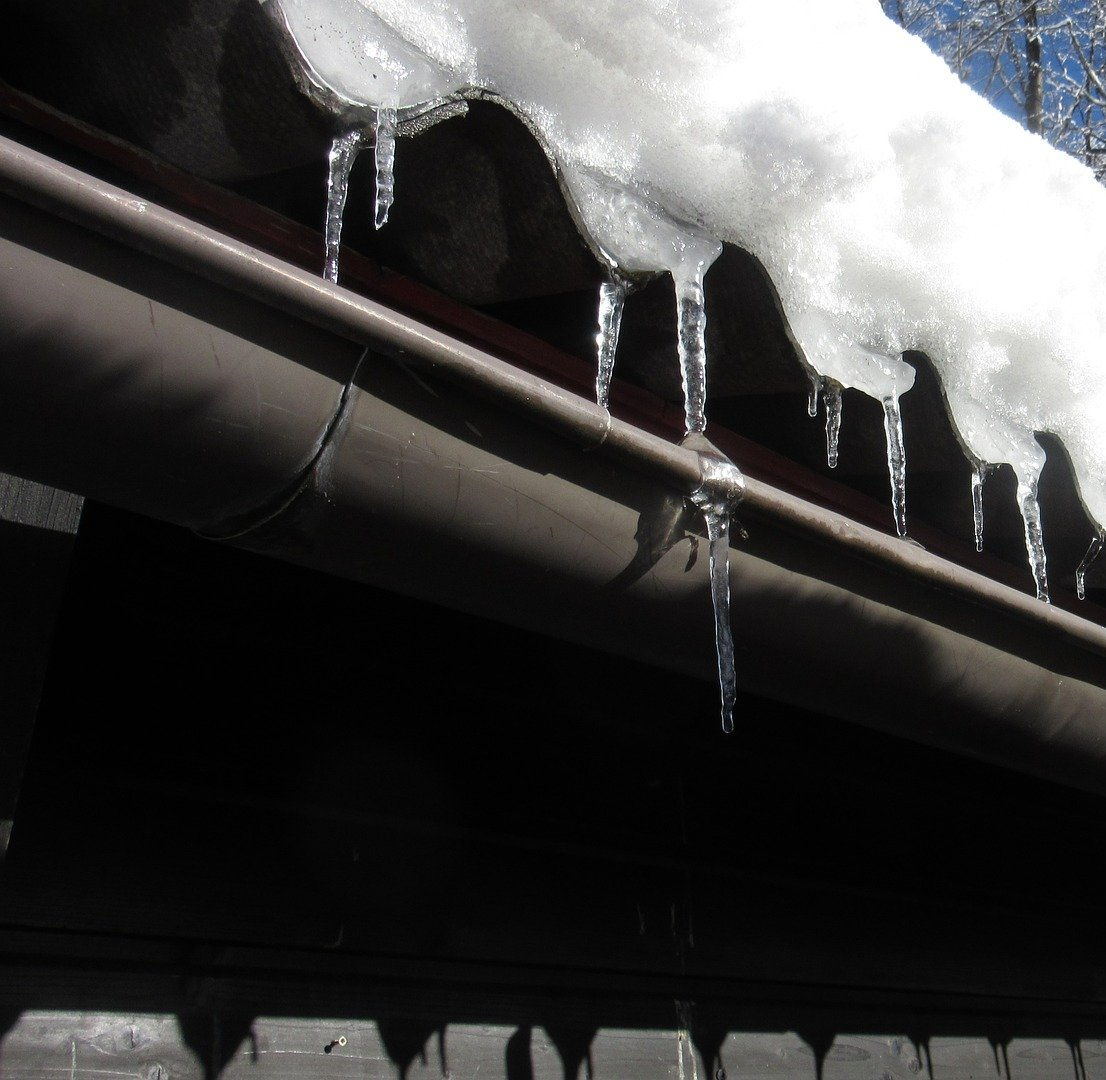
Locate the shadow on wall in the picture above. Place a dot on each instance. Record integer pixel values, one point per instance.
(225, 1045)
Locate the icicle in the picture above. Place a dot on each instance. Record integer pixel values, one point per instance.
(612, 296)
(385, 162)
(896, 461)
(718, 532)
(831, 395)
(1092, 554)
(343, 153)
(1034, 540)
(692, 325)
(722, 488)
(979, 474)
(812, 397)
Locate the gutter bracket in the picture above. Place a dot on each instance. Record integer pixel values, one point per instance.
(721, 484)
(281, 501)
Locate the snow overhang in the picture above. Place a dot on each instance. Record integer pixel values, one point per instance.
(164, 367)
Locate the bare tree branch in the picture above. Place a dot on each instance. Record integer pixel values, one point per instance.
(1043, 61)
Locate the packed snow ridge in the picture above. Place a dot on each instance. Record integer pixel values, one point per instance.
(892, 207)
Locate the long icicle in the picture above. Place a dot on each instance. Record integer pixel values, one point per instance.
(612, 297)
(1092, 554)
(831, 395)
(1034, 538)
(718, 533)
(896, 460)
(385, 153)
(979, 474)
(722, 489)
(691, 342)
(343, 153)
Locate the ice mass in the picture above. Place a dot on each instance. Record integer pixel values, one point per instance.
(884, 199)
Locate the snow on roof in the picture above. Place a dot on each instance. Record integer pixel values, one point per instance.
(893, 208)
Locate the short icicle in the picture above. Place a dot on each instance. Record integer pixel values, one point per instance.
(1034, 538)
(691, 341)
(385, 163)
(612, 297)
(831, 395)
(812, 396)
(896, 460)
(343, 153)
(721, 490)
(979, 474)
(1092, 553)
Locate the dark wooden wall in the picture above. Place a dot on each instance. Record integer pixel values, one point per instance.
(265, 809)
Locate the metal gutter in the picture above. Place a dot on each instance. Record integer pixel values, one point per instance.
(55, 187)
(908, 558)
(157, 364)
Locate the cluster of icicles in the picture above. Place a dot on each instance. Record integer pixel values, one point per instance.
(361, 59)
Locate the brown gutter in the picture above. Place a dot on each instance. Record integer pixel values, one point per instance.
(112, 212)
(259, 228)
(157, 364)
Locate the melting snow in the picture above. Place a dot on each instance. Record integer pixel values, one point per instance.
(892, 207)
